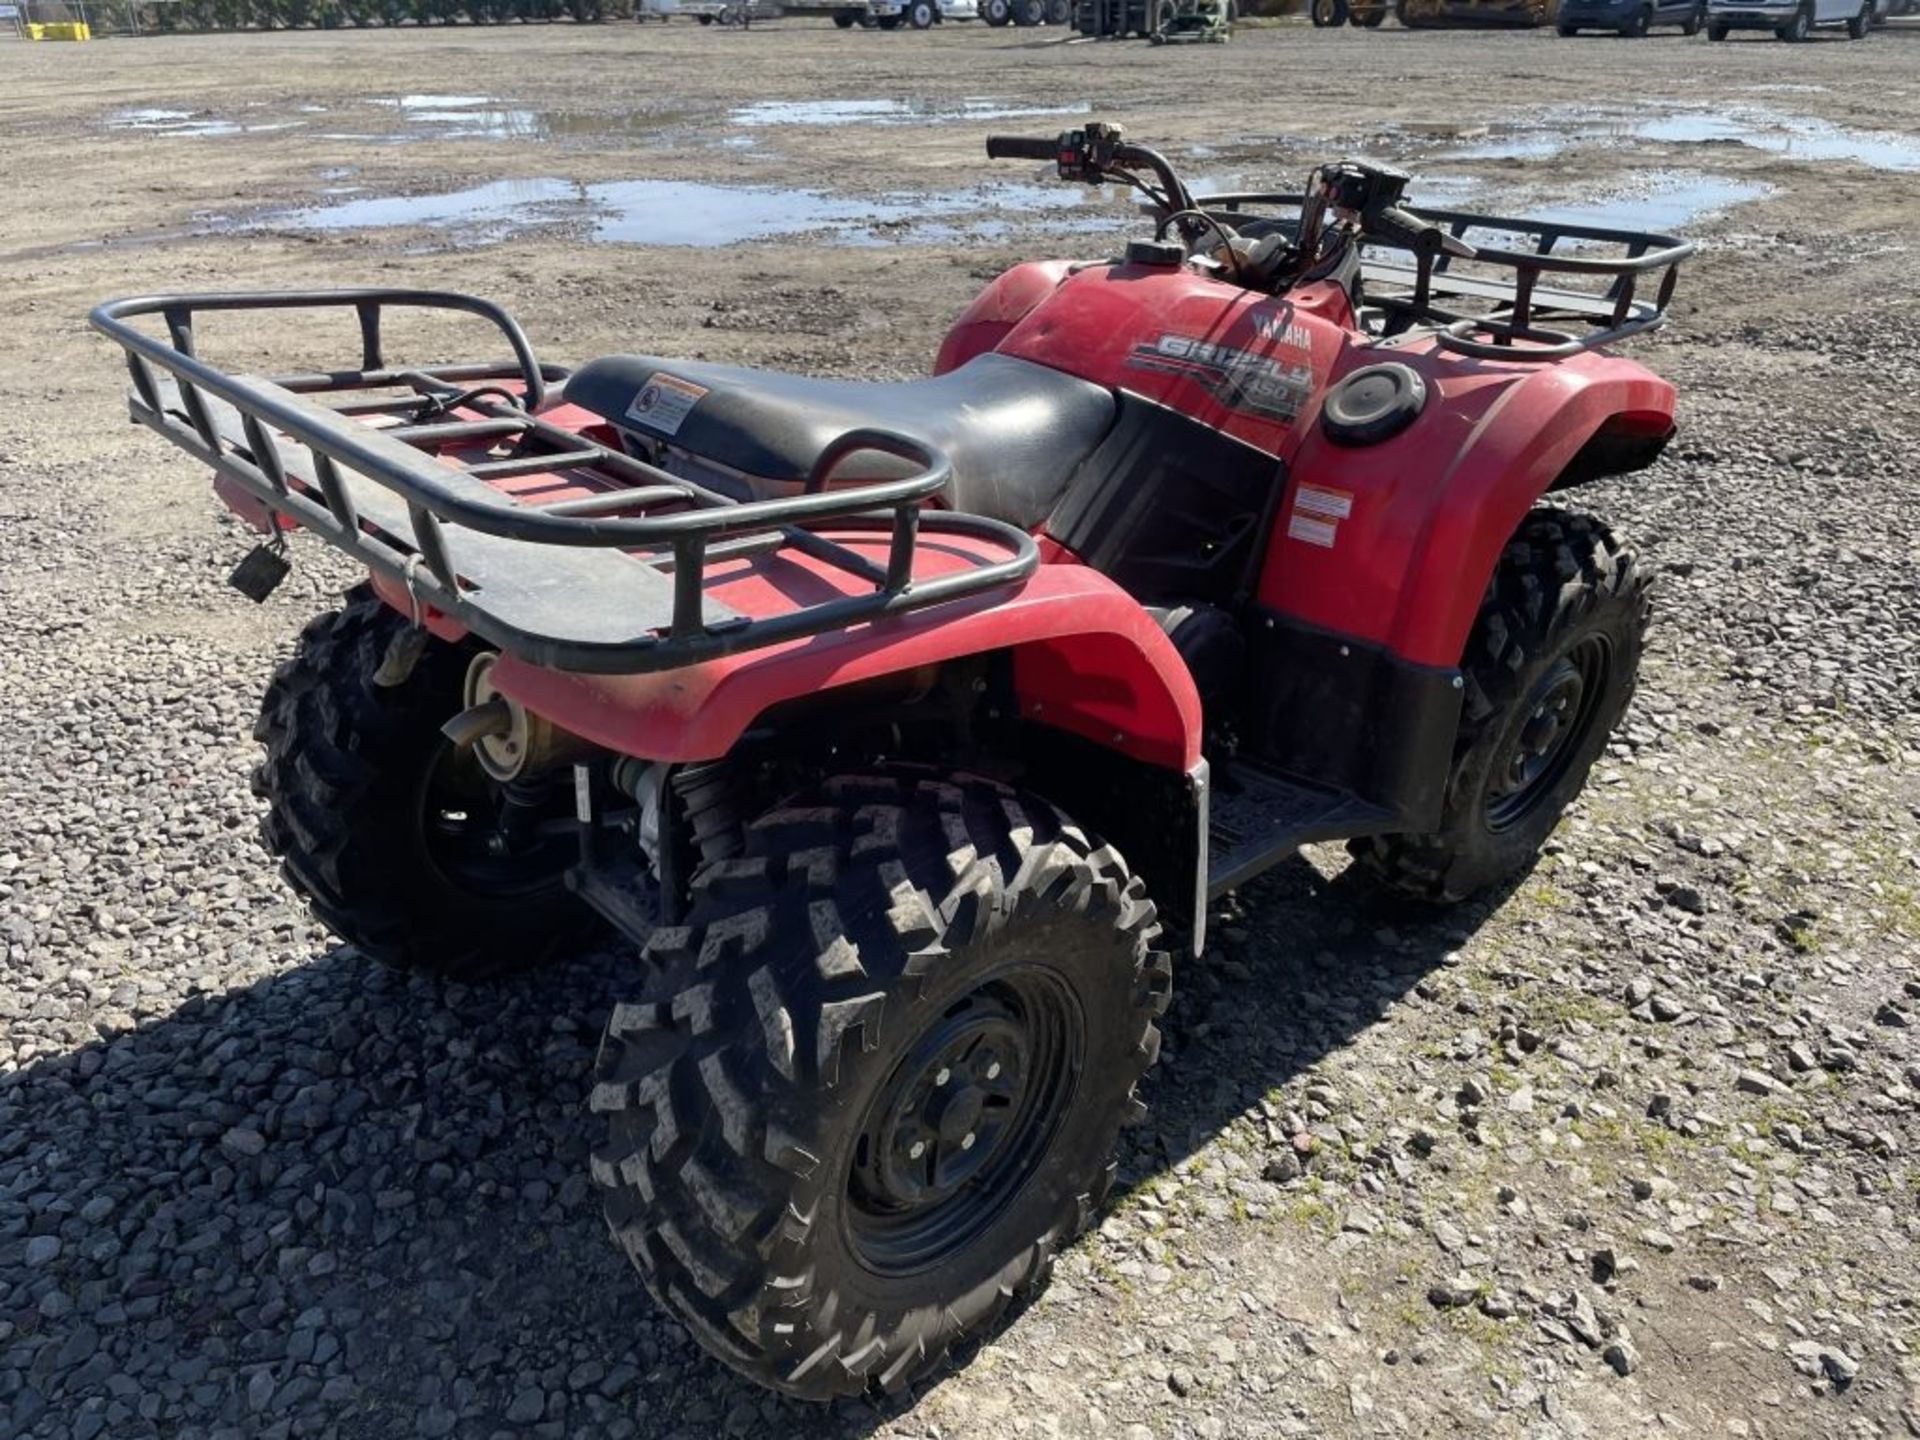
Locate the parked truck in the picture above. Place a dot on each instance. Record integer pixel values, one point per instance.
(1431, 14)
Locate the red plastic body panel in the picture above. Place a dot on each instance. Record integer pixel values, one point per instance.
(1394, 543)
(997, 309)
(1087, 659)
(1390, 543)
(1245, 364)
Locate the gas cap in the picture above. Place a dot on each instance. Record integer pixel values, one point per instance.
(1373, 404)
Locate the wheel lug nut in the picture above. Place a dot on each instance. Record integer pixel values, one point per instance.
(966, 1140)
(993, 1071)
(919, 1149)
(944, 1076)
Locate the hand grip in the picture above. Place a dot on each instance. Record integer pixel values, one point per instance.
(1423, 237)
(1021, 147)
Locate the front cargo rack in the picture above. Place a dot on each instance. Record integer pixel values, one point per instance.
(1494, 306)
(600, 562)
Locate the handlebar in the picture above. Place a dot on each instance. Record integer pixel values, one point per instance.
(1021, 147)
(1363, 196)
(1096, 153)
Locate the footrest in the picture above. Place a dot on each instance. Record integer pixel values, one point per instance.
(621, 889)
(1259, 817)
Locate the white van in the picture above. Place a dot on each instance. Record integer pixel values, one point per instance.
(1789, 19)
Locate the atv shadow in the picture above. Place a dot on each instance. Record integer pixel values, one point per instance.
(342, 1159)
(1307, 964)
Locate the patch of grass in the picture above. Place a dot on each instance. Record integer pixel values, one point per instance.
(1539, 896)
(1307, 1209)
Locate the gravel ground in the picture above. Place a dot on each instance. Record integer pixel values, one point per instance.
(1629, 1147)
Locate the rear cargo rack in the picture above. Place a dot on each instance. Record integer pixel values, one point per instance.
(611, 581)
(1494, 306)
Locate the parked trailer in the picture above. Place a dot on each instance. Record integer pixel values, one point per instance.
(708, 12)
(887, 14)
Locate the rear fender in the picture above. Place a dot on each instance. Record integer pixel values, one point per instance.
(1395, 543)
(1086, 660)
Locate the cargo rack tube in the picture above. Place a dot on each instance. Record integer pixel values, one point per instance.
(439, 496)
(1615, 316)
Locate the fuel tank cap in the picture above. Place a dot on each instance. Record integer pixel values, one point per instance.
(1374, 403)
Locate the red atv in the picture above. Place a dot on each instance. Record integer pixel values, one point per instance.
(889, 722)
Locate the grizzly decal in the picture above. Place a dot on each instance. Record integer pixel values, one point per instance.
(1239, 379)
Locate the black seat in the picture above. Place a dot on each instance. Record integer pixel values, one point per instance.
(1015, 431)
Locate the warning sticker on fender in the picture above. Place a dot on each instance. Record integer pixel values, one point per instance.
(664, 403)
(1317, 513)
(1314, 532)
(1325, 503)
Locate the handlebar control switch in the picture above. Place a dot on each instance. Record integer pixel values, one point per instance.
(1373, 404)
(1088, 153)
(1358, 188)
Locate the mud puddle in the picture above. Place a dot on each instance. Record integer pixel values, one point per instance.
(193, 124)
(403, 119)
(1664, 202)
(464, 117)
(687, 213)
(892, 111)
(1776, 132)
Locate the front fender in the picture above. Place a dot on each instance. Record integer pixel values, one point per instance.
(997, 309)
(1395, 543)
(1086, 659)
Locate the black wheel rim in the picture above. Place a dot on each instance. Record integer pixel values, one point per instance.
(962, 1122)
(487, 838)
(1559, 713)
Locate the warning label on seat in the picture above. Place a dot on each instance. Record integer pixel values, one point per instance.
(664, 403)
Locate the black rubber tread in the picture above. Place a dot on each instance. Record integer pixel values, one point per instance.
(343, 776)
(1561, 575)
(735, 1088)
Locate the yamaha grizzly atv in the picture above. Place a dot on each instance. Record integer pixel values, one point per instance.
(888, 723)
